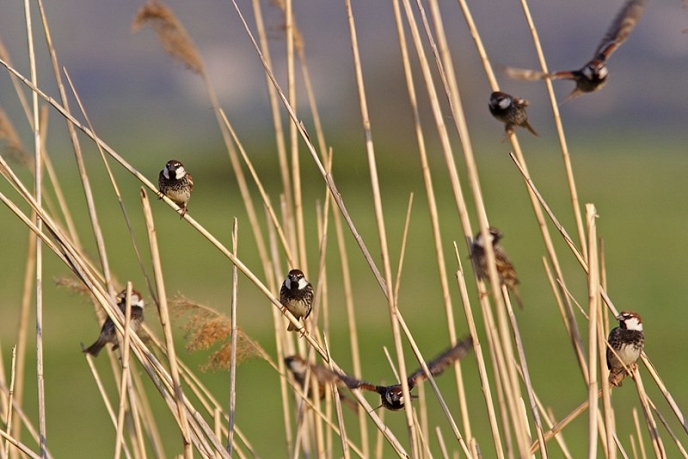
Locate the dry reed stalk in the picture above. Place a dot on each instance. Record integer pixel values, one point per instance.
(101, 390)
(22, 421)
(608, 410)
(477, 350)
(548, 416)
(9, 398)
(380, 222)
(297, 223)
(427, 178)
(275, 111)
(126, 374)
(560, 129)
(233, 355)
(664, 422)
(351, 323)
(166, 325)
(38, 195)
(650, 422)
(665, 392)
(594, 315)
(20, 446)
(641, 444)
(440, 441)
(22, 329)
(522, 369)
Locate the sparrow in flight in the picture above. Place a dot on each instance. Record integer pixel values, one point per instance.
(593, 75)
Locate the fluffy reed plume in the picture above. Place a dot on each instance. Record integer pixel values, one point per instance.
(171, 34)
(205, 327)
(72, 284)
(13, 148)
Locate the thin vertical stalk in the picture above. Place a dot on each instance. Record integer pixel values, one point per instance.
(167, 326)
(276, 116)
(233, 337)
(126, 375)
(23, 328)
(593, 314)
(560, 129)
(38, 195)
(294, 140)
(10, 398)
(655, 439)
(351, 323)
(480, 358)
(379, 218)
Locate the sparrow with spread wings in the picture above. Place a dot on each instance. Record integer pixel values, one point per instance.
(392, 397)
(594, 74)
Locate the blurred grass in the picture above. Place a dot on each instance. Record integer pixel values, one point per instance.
(633, 185)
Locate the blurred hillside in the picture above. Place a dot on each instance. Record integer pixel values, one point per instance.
(124, 78)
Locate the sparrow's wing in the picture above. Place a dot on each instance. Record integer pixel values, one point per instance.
(442, 361)
(298, 367)
(618, 32)
(190, 180)
(523, 74)
(308, 299)
(353, 383)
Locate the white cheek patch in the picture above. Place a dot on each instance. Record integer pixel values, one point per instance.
(180, 173)
(603, 72)
(287, 283)
(504, 103)
(166, 173)
(303, 283)
(633, 323)
(587, 71)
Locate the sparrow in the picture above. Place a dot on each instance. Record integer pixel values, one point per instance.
(296, 296)
(510, 110)
(392, 397)
(506, 271)
(594, 74)
(627, 341)
(175, 183)
(323, 375)
(108, 333)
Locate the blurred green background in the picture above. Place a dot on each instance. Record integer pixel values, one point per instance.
(629, 156)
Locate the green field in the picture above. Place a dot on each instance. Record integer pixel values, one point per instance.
(641, 221)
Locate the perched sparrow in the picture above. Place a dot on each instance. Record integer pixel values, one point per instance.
(108, 334)
(510, 110)
(594, 74)
(175, 183)
(299, 367)
(296, 296)
(627, 341)
(392, 397)
(507, 273)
